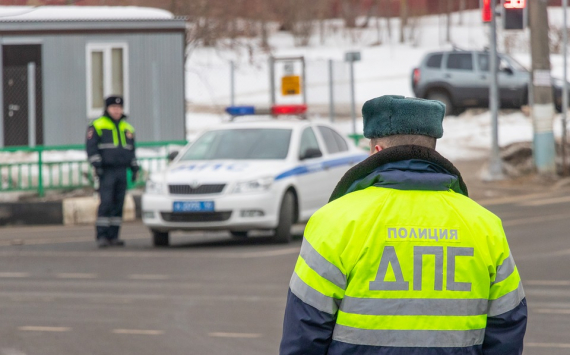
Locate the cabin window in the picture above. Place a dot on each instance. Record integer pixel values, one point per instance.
(106, 75)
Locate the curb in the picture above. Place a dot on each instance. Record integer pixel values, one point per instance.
(31, 213)
(69, 212)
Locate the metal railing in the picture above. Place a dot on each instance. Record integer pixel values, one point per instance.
(39, 169)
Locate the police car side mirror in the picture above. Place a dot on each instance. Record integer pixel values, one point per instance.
(311, 153)
(172, 156)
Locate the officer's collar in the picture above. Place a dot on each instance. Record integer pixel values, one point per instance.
(106, 114)
(388, 157)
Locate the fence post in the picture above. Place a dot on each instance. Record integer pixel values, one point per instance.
(31, 104)
(156, 102)
(331, 91)
(232, 83)
(41, 191)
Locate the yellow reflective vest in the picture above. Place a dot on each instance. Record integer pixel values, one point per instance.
(407, 268)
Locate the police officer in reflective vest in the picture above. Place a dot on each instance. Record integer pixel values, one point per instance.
(401, 261)
(111, 151)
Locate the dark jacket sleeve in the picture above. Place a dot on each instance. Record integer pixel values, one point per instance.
(91, 145)
(306, 330)
(505, 332)
(134, 164)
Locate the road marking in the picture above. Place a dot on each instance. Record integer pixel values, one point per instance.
(144, 254)
(552, 310)
(547, 282)
(76, 276)
(235, 335)
(148, 277)
(511, 199)
(11, 352)
(262, 254)
(57, 240)
(547, 201)
(14, 275)
(31, 328)
(547, 345)
(138, 331)
(533, 220)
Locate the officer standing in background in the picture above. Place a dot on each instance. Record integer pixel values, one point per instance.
(111, 151)
(401, 261)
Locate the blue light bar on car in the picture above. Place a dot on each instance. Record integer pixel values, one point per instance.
(240, 110)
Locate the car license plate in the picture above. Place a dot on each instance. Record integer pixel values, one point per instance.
(193, 206)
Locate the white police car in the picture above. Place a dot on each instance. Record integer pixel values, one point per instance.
(247, 176)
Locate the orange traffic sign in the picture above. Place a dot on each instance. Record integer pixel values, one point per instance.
(291, 85)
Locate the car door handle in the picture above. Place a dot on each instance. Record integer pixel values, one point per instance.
(448, 76)
(483, 77)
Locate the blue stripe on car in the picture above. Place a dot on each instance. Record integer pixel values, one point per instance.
(327, 164)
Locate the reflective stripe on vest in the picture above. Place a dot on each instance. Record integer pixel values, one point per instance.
(408, 338)
(106, 123)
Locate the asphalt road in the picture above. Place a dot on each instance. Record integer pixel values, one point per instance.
(209, 294)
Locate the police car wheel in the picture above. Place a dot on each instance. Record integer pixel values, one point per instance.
(239, 234)
(283, 230)
(160, 239)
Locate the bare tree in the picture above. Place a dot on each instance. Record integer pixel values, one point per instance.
(403, 18)
(350, 9)
(388, 15)
(448, 5)
(323, 8)
(372, 10)
(462, 6)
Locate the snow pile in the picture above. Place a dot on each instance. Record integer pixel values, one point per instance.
(384, 69)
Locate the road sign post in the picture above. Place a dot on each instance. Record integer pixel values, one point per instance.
(352, 57)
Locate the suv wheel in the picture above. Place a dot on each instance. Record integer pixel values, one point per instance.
(160, 239)
(444, 98)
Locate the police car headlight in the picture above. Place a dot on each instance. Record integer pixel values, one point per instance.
(256, 185)
(154, 187)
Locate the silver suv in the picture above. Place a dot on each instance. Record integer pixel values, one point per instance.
(461, 79)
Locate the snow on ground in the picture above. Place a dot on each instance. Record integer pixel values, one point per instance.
(384, 69)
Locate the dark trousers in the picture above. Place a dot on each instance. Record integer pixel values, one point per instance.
(112, 189)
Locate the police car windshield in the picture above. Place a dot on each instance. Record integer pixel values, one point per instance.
(240, 144)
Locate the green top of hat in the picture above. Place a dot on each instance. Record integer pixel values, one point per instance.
(391, 115)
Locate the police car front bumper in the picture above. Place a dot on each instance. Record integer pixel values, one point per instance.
(238, 212)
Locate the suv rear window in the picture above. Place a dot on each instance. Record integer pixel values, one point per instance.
(434, 61)
(459, 61)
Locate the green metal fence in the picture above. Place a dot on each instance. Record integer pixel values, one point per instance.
(39, 169)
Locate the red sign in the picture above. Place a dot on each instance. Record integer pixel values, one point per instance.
(487, 11)
(515, 4)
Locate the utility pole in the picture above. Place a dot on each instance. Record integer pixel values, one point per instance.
(565, 87)
(543, 108)
(495, 163)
